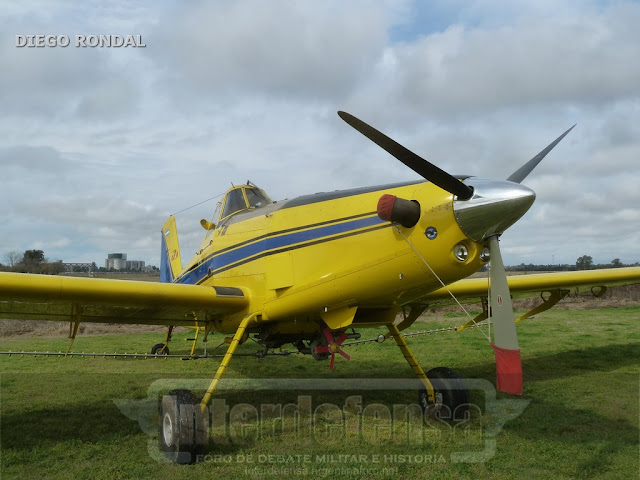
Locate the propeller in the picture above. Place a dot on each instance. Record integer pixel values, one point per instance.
(505, 344)
(416, 163)
(333, 346)
(483, 218)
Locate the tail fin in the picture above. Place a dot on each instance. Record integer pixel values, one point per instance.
(170, 262)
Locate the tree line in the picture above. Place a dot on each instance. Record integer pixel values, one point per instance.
(31, 261)
(585, 262)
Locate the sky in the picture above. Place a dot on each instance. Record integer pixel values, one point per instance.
(99, 145)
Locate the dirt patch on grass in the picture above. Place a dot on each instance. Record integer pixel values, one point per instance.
(44, 328)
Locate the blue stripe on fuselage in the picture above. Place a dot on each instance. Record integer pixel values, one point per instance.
(220, 261)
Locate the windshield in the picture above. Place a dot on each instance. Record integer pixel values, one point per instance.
(256, 198)
(235, 202)
(240, 198)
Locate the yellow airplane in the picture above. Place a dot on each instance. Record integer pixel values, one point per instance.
(311, 270)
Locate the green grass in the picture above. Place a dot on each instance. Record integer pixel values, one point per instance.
(582, 379)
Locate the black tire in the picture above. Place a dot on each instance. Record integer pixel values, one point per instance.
(183, 428)
(160, 349)
(319, 342)
(452, 395)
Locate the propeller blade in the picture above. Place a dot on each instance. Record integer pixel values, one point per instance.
(505, 346)
(345, 355)
(416, 163)
(328, 335)
(519, 175)
(333, 357)
(341, 339)
(505, 334)
(322, 350)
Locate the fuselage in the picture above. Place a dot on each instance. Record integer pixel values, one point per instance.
(302, 259)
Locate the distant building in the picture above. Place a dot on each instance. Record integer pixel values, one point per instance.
(135, 265)
(118, 261)
(80, 267)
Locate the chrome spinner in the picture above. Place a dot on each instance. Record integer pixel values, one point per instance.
(494, 207)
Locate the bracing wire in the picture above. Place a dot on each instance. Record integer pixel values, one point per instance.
(195, 205)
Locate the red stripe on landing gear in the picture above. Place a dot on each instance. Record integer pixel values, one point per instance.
(508, 369)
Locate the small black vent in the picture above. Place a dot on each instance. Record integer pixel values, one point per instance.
(228, 292)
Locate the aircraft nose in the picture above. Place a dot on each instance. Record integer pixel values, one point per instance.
(494, 207)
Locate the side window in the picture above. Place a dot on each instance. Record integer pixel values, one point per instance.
(256, 198)
(216, 213)
(235, 202)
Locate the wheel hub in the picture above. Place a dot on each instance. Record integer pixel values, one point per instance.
(167, 430)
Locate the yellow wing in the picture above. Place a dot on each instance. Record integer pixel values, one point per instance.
(530, 285)
(555, 285)
(44, 297)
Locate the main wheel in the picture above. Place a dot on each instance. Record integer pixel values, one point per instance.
(452, 396)
(160, 349)
(183, 427)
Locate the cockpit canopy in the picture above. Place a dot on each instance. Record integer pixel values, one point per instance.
(240, 198)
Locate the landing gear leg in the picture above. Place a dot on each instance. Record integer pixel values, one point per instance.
(73, 325)
(207, 330)
(194, 318)
(413, 362)
(235, 341)
(184, 425)
(163, 348)
(444, 394)
(195, 339)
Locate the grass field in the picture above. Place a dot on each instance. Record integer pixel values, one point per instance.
(579, 413)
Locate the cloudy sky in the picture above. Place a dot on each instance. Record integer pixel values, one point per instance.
(100, 145)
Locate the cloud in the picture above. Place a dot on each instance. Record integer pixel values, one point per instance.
(586, 58)
(44, 82)
(305, 50)
(92, 211)
(66, 83)
(28, 159)
(99, 145)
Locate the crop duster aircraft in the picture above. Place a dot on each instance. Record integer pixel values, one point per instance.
(311, 270)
